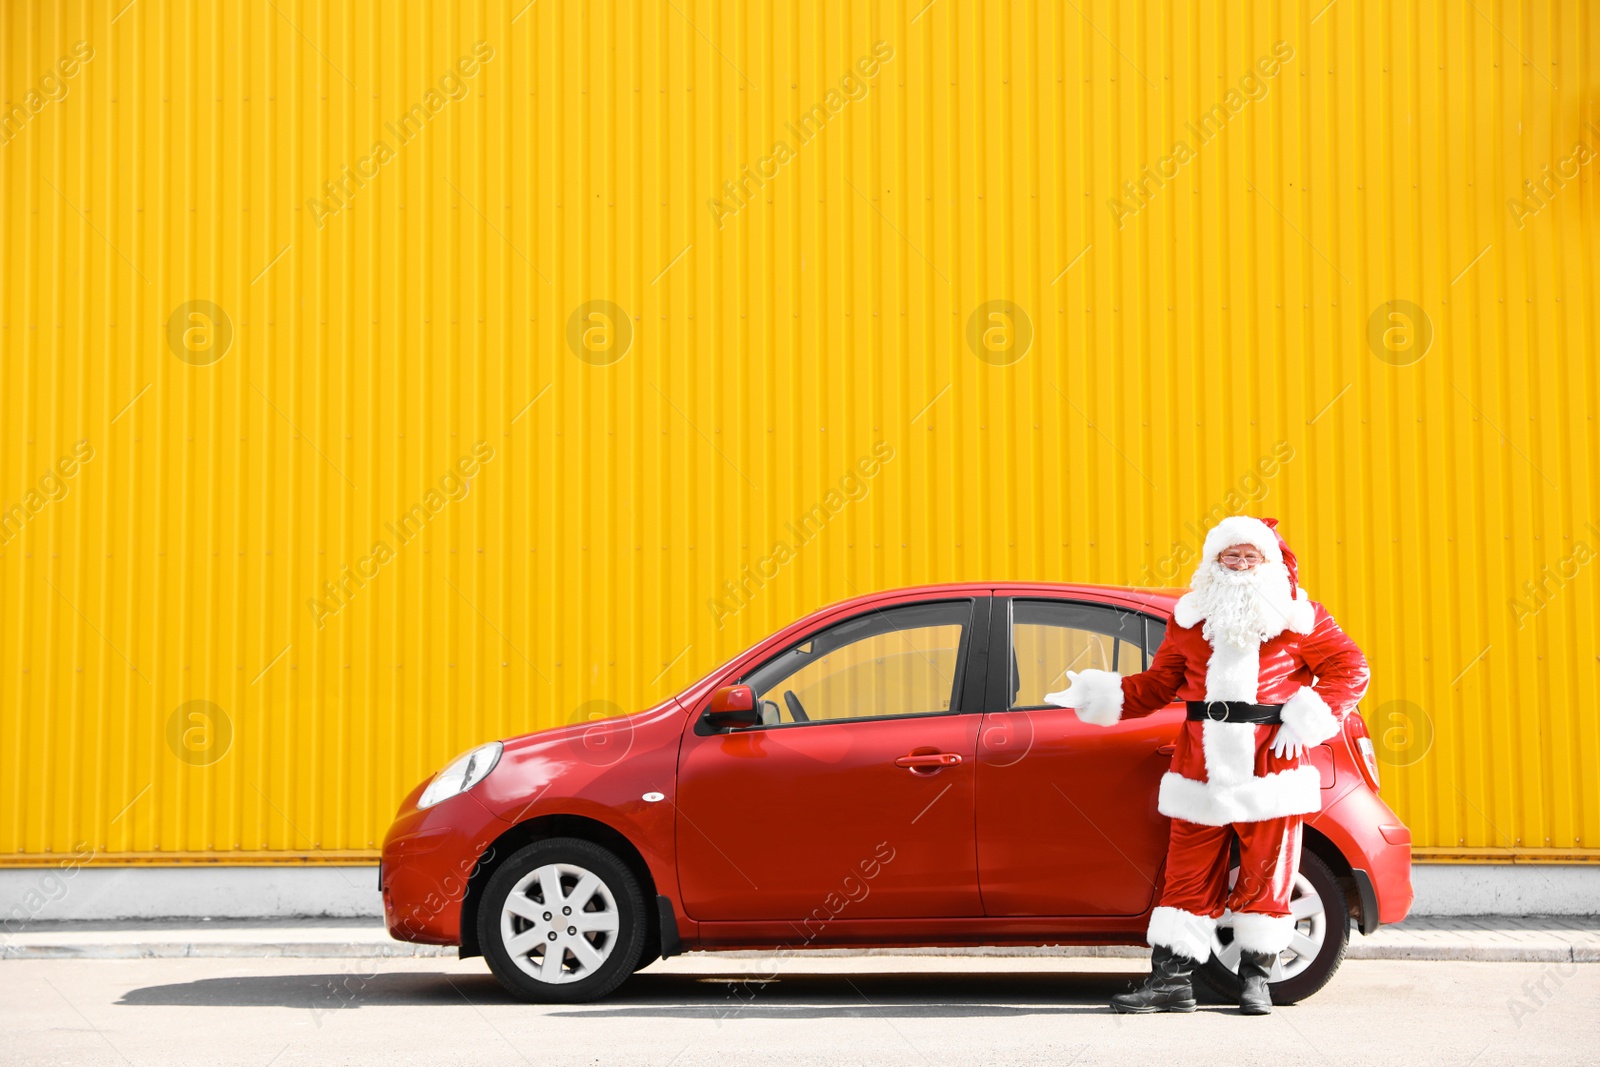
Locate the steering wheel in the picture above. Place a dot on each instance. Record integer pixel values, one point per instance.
(797, 711)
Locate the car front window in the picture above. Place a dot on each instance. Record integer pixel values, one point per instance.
(888, 662)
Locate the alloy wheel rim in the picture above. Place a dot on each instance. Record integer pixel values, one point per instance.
(1310, 933)
(559, 923)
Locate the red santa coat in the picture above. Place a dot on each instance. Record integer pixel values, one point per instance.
(1225, 772)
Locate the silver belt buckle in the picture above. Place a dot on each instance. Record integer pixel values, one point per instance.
(1217, 718)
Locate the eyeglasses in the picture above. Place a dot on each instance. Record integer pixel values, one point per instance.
(1241, 557)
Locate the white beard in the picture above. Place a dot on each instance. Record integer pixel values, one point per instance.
(1242, 608)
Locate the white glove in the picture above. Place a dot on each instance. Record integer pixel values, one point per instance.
(1286, 743)
(1075, 695)
(1095, 696)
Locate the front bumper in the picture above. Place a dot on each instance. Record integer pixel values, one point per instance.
(428, 858)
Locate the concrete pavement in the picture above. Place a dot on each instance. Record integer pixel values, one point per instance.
(919, 1011)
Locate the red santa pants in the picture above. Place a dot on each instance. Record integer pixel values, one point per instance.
(1196, 890)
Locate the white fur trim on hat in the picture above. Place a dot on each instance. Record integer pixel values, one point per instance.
(1263, 933)
(1098, 696)
(1293, 792)
(1242, 530)
(1183, 932)
(1310, 717)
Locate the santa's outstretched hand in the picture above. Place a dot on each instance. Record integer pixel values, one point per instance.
(1094, 695)
(1075, 695)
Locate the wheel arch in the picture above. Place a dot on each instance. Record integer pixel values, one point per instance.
(541, 828)
(1323, 847)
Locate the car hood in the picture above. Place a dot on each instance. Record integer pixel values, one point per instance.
(593, 734)
(602, 760)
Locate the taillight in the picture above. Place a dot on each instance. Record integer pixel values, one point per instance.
(1355, 728)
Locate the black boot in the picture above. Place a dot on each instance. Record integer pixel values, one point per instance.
(1255, 998)
(1167, 989)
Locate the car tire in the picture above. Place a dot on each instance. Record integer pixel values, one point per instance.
(1221, 978)
(569, 896)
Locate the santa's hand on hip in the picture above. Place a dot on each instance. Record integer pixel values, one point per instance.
(1286, 744)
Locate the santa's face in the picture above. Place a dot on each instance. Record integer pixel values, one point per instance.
(1241, 557)
(1244, 600)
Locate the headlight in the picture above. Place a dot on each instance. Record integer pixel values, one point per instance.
(464, 772)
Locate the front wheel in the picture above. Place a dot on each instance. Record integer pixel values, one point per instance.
(562, 920)
(1321, 935)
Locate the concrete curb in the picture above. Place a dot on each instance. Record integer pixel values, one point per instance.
(1477, 953)
(284, 895)
(1483, 940)
(305, 950)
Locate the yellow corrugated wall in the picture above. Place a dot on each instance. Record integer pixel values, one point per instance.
(918, 290)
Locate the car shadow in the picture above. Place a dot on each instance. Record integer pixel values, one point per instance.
(898, 995)
(350, 988)
(678, 996)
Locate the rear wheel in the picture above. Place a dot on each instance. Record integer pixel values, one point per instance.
(562, 920)
(1321, 935)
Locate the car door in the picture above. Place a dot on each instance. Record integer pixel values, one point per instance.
(1067, 820)
(854, 797)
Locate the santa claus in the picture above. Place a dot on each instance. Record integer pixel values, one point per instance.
(1266, 674)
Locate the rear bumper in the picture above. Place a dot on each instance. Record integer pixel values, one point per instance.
(1378, 848)
(1368, 899)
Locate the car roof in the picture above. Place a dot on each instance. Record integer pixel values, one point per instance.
(1158, 599)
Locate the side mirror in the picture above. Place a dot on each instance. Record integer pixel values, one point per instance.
(733, 705)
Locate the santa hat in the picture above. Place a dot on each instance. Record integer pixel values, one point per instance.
(1262, 534)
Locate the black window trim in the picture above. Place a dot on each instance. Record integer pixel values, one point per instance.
(997, 694)
(967, 690)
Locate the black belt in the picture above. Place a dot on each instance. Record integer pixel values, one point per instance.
(1234, 711)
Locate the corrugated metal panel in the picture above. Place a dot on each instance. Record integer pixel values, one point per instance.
(1067, 280)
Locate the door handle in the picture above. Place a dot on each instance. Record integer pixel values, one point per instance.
(929, 759)
(1167, 750)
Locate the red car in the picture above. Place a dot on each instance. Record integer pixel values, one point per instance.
(882, 773)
